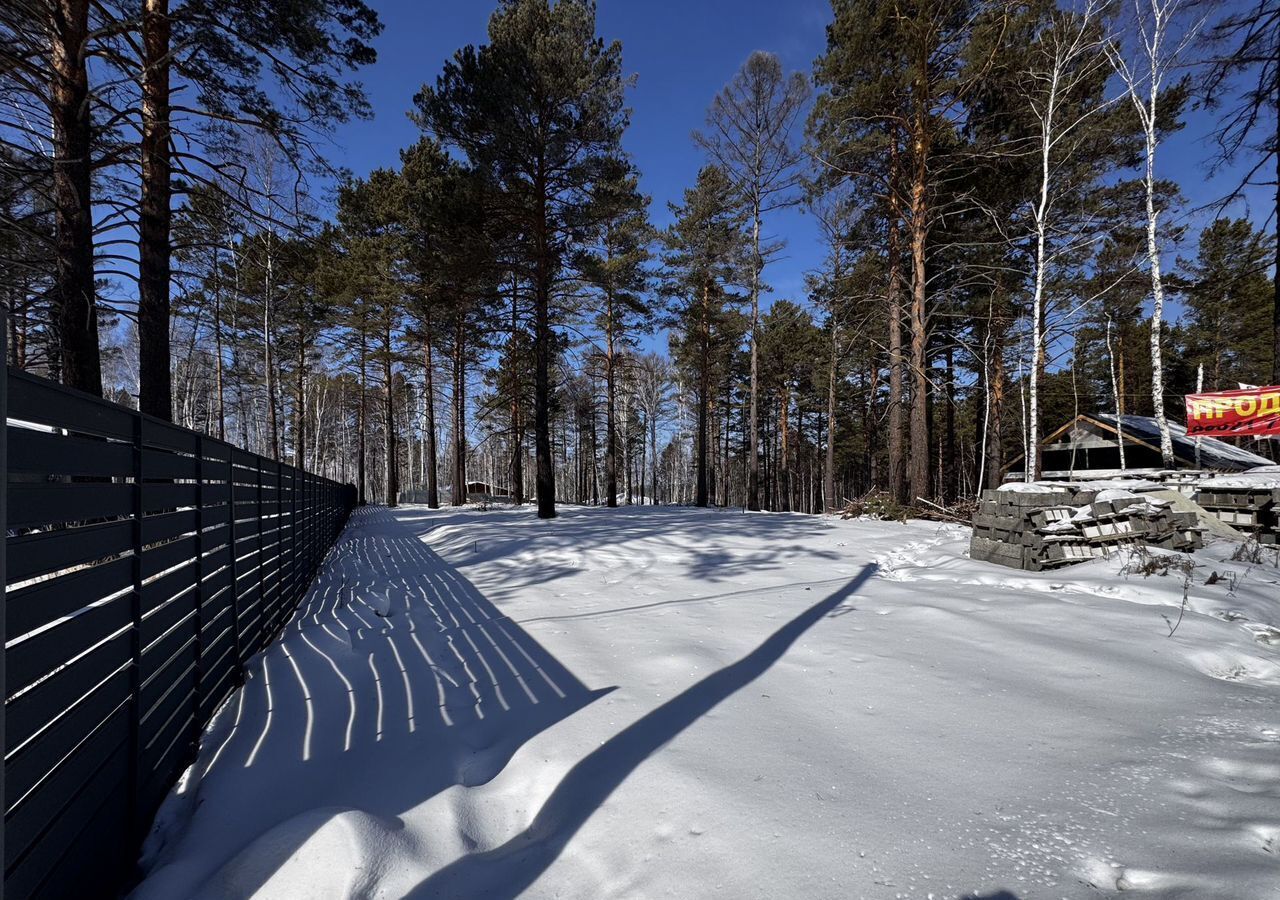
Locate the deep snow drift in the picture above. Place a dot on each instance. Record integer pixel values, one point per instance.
(660, 702)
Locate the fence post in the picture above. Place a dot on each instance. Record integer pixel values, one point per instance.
(201, 597)
(295, 573)
(135, 637)
(231, 541)
(257, 642)
(4, 561)
(278, 613)
(311, 520)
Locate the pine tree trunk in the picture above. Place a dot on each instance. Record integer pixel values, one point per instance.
(517, 413)
(653, 448)
(610, 428)
(725, 465)
(829, 470)
(546, 475)
(459, 495)
(393, 476)
(155, 389)
(268, 355)
(217, 344)
(753, 453)
(784, 455)
(300, 404)
(918, 474)
(716, 469)
(592, 473)
(949, 461)
(361, 419)
(433, 478)
(704, 392)
(897, 365)
(73, 289)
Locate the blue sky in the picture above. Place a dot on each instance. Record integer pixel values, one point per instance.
(681, 53)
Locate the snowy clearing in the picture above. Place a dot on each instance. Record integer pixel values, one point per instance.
(664, 702)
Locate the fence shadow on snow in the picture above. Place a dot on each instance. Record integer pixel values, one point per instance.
(395, 680)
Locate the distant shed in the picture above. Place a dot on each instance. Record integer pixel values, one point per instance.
(1089, 446)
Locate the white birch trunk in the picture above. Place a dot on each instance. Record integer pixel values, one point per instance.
(1115, 393)
(1152, 25)
(1157, 293)
(1037, 296)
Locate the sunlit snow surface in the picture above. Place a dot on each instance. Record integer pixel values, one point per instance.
(661, 702)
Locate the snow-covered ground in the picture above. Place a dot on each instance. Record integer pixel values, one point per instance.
(661, 702)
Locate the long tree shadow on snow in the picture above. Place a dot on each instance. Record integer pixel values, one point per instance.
(508, 870)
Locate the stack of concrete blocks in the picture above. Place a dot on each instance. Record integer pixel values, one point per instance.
(1255, 511)
(1050, 529)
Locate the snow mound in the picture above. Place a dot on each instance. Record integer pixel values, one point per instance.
(321, 853)
(1235, 665)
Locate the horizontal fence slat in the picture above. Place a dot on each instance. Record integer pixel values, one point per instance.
(158, 722)
(165, 556)
(107, 696)
(165, 615)
(34, 399)
(28, 713)
(36, 759)
(162, 464)
(166, 667)
(49, 551)
(215, 496)
(58, 793)
(157, 496)
(41, 654)
(168, 643)
(162, 526)
(48, 453)
(80, 854)
(36, 605)
(168, 436)
(53, 503)
(176, 753)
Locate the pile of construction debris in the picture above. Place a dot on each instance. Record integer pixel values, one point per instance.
(1044, 526)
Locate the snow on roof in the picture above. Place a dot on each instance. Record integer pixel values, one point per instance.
(1214, 454)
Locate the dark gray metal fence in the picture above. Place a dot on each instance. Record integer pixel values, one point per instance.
(145, 564)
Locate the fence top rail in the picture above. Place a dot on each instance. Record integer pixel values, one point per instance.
(48, 404)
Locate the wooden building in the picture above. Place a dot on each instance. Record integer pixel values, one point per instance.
(1089, 447)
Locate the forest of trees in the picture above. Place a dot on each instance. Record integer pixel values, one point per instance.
(1003, 245)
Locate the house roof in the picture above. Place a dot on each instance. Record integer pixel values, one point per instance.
(1144, 431)
(1214, 454)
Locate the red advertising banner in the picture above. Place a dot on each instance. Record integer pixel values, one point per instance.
(1234, 413)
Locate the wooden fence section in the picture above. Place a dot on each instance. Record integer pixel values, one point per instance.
(145, 565)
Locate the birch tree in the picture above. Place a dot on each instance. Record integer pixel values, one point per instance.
(1143, 78)
(1068, 57)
